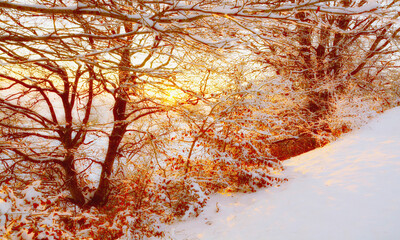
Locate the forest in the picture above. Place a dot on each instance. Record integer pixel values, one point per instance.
(118, 117)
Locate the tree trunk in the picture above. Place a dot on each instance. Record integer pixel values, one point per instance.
(100, 197)
(71, 180)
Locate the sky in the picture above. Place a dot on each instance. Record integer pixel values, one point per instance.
(349, 189)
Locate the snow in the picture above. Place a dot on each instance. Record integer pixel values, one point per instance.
(348, 189)
(30, 192)
(5, 207)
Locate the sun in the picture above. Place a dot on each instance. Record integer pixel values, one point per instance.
(172, 96)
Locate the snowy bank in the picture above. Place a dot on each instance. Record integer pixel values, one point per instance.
(349, 189)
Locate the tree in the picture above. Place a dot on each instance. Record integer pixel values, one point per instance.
(328, 54)
(64, 60)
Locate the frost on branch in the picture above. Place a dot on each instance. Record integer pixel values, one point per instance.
(227, 134)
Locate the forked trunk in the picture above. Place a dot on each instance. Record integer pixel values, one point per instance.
(100, 197)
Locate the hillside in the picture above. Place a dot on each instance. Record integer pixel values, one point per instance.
(348, 189)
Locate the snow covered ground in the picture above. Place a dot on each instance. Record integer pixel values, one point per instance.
(349, 189)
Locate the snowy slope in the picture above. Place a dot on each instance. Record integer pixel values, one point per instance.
(349, 189)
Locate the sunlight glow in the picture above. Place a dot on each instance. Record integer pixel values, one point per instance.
(172, 96)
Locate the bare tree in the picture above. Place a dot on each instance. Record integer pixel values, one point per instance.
(326, 53)
(54, 67)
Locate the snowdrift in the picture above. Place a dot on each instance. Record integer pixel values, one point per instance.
(349, 189)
